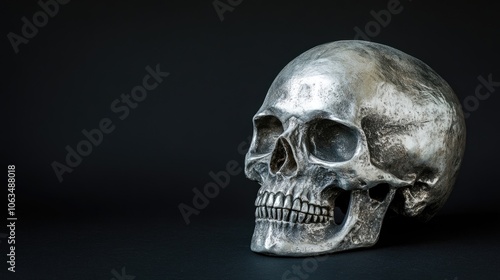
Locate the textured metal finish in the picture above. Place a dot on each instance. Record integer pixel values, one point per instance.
(349, 130)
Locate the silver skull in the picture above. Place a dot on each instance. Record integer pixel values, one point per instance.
(349, 130)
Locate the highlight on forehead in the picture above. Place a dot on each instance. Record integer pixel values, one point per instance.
(325, 81)
(333, 63)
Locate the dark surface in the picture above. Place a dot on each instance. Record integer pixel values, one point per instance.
(449, 247)
(119, 207)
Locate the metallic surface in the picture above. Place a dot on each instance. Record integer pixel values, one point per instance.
(349, 130)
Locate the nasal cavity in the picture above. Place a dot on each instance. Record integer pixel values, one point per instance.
(282, 159)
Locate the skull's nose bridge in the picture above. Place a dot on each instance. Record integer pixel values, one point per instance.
(283, 159)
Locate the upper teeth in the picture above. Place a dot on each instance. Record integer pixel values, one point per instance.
(277, 206)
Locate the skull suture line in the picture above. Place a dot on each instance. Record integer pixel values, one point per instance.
(353, 128)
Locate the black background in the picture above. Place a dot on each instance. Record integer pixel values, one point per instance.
(119, 207)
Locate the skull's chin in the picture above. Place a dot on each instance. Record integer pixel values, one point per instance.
(360, 228)
(289, 239)
(275, 237)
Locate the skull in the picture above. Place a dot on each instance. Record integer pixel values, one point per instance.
(349, 130)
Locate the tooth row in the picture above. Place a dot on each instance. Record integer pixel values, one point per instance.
(287, 215)
(279, 200)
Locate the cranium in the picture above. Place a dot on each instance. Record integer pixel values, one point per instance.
(353, 128)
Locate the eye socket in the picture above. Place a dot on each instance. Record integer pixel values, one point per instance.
(331, 141)
(268, 129)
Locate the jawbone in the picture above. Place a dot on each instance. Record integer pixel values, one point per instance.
(360, 228)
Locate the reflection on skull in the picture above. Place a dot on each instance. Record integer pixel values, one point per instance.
(347, 131)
